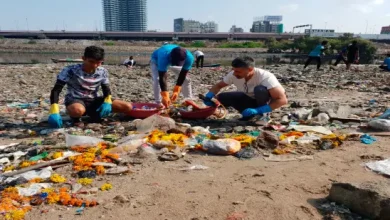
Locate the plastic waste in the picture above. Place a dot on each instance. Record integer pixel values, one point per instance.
(45, 173)
(380, 124)
(33, 189)
(5, 161)
(326, 145)
(129, 144)
(74, 140)
(195, 167)
(382, 167)
(385, 115)
(201, 130)
(147, 150)
(305, 128)
(39, 157)
(50, 131)
(222, 146)
(367, 139)
(155, 122)
(87, 174)
(2, 147)
(247, 153)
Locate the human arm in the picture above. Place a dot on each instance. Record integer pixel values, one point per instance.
(55, 119)
(182, 76)
(213, 92)
(106, 108)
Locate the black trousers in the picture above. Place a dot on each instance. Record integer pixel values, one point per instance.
(384, 68)
(339, 59)
(318, 59)
(200, 60)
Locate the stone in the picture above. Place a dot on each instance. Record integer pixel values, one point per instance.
(370, 199)
(344, 111)
(121, 199)
(267, 140)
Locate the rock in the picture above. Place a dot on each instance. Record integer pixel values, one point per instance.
(267, 140)
(368, 199)
(344, 111)
(121, 199)
(22, 82)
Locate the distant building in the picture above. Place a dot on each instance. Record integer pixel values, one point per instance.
(181, 25)
(385, 30)
(312, 31)
(235, 29)
(125, 15)
(267, 24)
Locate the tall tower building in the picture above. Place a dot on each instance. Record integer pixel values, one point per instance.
(125, 15)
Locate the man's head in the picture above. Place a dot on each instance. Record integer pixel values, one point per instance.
(178, 56)
(388, 55)
(354, 42)
(243, 66)
(324, 43)
(93, 58)
(131, 57)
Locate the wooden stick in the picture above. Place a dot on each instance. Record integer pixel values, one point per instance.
(35, 167)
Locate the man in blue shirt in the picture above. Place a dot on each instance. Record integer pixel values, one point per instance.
(386, 64)
(180, 61)
(316, 54)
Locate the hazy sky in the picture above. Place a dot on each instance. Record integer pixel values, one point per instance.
(342, 15)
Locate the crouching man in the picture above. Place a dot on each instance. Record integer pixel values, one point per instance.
(83, 82)
(258, 91)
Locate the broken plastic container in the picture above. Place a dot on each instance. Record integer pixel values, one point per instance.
(129, 144)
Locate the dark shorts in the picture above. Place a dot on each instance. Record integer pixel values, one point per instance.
(90, 105)
(351, 59)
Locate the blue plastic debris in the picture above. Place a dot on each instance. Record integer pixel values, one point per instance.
(367, 139)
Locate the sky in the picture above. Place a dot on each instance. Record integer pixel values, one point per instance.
(357, 16)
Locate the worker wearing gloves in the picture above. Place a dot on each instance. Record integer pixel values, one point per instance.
(180, 61)
(258, 91)
(83, 82)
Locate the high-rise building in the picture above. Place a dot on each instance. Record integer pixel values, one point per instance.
(181, 25)
(385, 30)
(267, 24)
(125, 15)
(235, 29)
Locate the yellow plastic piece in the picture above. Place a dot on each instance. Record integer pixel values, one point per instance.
(54, 109)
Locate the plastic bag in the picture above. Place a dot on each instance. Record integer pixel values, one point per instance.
(45, 173)
(222, 146)
(129, 144)
(155, 122)
(380, 124)
(33, 189)
(74, 140)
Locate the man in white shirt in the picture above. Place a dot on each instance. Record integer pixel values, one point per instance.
(258, 91)
(199, 55)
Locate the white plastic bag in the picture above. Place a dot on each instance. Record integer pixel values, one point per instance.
(33, 189)
(74, 140)
(380, 124)
(222, 146)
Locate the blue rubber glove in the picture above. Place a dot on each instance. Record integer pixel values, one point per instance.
(250, 112)
(207, 101)
(55, 120)
(106, 108)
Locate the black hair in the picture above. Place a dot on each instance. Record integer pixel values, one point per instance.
(243, 62)
(131, 57)
(388, 55)
(325, 42)
(354, 42)
(93, 52)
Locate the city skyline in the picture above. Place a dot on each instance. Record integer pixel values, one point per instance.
(356, 16)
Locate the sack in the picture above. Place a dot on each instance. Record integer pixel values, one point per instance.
(222, 146)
